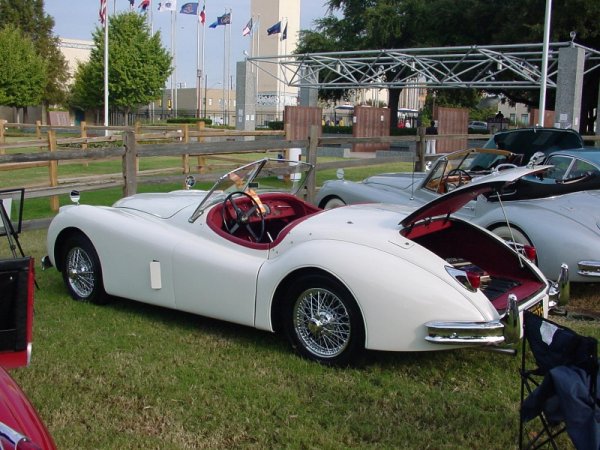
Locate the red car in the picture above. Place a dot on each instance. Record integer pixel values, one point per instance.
(20, 426)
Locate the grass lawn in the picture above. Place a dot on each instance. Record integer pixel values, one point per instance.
(129, 375)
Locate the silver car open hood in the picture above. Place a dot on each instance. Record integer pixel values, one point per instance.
(456, 199)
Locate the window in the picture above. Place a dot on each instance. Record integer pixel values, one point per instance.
(561, 166)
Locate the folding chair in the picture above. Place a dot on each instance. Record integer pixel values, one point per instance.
(561, 390)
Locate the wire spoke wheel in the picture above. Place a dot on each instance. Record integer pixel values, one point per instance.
(322, 322)
(80, 272)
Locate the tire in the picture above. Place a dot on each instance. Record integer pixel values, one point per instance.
(322, 321)
(334, 202)
(519, 237)
(81, 270)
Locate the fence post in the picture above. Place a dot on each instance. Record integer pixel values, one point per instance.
(311, 182)
(129, 164)
(2, 138)
(38, 129)
(53, 169)
(201, 159)
(185, 159)
(83, 128)
(421, 145)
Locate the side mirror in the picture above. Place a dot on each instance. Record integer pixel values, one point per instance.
(74, 195)
(190, 182)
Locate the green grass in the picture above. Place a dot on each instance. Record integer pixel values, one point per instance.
(129, 375)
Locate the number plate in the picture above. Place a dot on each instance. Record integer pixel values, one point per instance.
(538, 309)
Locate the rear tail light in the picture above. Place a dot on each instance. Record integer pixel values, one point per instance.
(474, 279)
(530, 253)
(470, 280)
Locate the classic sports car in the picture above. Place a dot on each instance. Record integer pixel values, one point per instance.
(20, 425)
(528, 141)
(335, 282)
(559, 222)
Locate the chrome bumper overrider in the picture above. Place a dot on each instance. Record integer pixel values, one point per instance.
(589, 268)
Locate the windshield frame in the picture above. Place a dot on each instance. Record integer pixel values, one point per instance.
(246, 178)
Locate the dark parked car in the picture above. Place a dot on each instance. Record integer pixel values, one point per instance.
(528, 141)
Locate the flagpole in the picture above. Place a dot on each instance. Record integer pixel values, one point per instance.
(257, 53)
(202, 67)
(106, 73)
(229, 84)
(175, 59)
(198, 71)
(224, 74)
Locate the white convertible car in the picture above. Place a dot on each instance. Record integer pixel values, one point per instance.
(334, 282)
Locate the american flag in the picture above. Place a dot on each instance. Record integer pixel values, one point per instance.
(102, 12)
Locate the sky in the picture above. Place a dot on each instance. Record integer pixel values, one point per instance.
(78, 19)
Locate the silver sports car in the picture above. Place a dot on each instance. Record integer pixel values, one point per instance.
(553, 216)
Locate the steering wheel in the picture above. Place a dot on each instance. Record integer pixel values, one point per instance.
(463, 178)
(243, 213)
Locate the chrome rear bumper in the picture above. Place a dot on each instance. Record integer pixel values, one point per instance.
(474, 333)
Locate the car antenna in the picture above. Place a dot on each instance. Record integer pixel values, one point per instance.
(512, 237)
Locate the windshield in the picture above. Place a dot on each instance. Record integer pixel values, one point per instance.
(457, 168)
(264, 175)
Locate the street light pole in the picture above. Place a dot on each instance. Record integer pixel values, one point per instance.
(542, 106)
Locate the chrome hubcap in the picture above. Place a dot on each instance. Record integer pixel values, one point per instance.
(322, 322)
(80, 272)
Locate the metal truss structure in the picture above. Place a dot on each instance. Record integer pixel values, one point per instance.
(493, 67)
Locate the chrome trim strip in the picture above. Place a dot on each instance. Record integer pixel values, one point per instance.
(12, 436)
(589, 268)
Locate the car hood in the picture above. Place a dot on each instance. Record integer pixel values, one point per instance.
(456, 199)
(395, 180)
(162, 205)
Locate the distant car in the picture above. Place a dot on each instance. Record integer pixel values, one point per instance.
(334, 282)
(561, 223)
(20, 425)
(528, 141)
(476, 126)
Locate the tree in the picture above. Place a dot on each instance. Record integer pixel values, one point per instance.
(29, 16)
(22, 72)
(376, 24)
(137, 70)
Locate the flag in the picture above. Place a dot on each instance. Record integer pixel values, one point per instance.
(225, 19)
(203, 14)
(144, 5)
(102, 12)
(189, 8)
(274, 29)
(248, 28)
(167, 6)
(284, 34)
